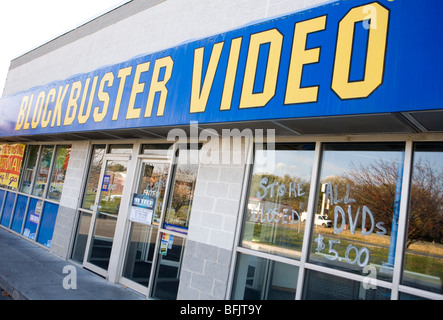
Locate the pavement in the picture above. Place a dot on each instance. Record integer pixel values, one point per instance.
(30, 272)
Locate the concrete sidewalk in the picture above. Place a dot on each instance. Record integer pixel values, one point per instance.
(29, 272)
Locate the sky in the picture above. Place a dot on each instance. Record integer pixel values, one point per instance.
(27, 24)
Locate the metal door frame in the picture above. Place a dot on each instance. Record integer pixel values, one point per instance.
(140, 161)
(86, 264)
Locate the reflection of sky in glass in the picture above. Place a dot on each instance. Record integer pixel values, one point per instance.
(435, 159)
(339, 162)
(281, 162)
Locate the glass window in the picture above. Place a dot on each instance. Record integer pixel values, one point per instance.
(156, 149)
(407, 296)
(109, 201)
(170, 255)
(120, 148)
(28, 172)
(58, 172)
(8, 208)
(19, 213)
(33, 218)
(153, 183)
(322, 286)
(43, 171)
(262, 279)
(98, 152)
(179, 209)
(356, 218)
(81, 238)
(278, 198)
(423, 264)
(140, 253)
(47, 224)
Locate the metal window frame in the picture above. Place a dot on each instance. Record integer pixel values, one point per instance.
(29, 195)
(394, 285)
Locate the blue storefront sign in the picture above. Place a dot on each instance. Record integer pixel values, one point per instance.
(345, 57)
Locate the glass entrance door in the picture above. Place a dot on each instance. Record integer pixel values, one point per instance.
(155, 248)
(107, 205)
(143, 236)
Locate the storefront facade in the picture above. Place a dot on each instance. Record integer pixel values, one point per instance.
(295, 157)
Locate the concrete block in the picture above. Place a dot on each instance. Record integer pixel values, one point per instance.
(217, 189)
(232, 174)
(227, 207)
(222, 239)
(216, 271)
(201, 283)
(203, 203)
(208, 172)
(207, 252)
(194, 264)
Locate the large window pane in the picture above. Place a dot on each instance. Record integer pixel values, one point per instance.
(81, 238)
(278, 197)
(322, 286)
(120, 149)
(58, 172)
(262, 279)
(47, 224)
(8, 209)
(28, 169)
(140, 253)
(168, 267)
(33, 218)
(43, 171)
(360, 195)
(98, 152)
(153, 183)
(111, 192)
(19, 215)
(179, 209)
(159, 149)
(423, 265)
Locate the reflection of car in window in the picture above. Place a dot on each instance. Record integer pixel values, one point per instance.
(320, 220)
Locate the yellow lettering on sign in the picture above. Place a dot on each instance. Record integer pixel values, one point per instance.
(231, 73)
(57, 115)
(122, 75)
(199, 93)
(49, 98)
(375, 54)
(103, 97)
(137, 87)
(249, 99)
(71, 109)
(22, 113)
(82, 118)
(159, 86)
(300, 57)
(38, 110)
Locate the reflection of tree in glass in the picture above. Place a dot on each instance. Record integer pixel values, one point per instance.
(426, 205)
(185, 179)
(374, 186)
